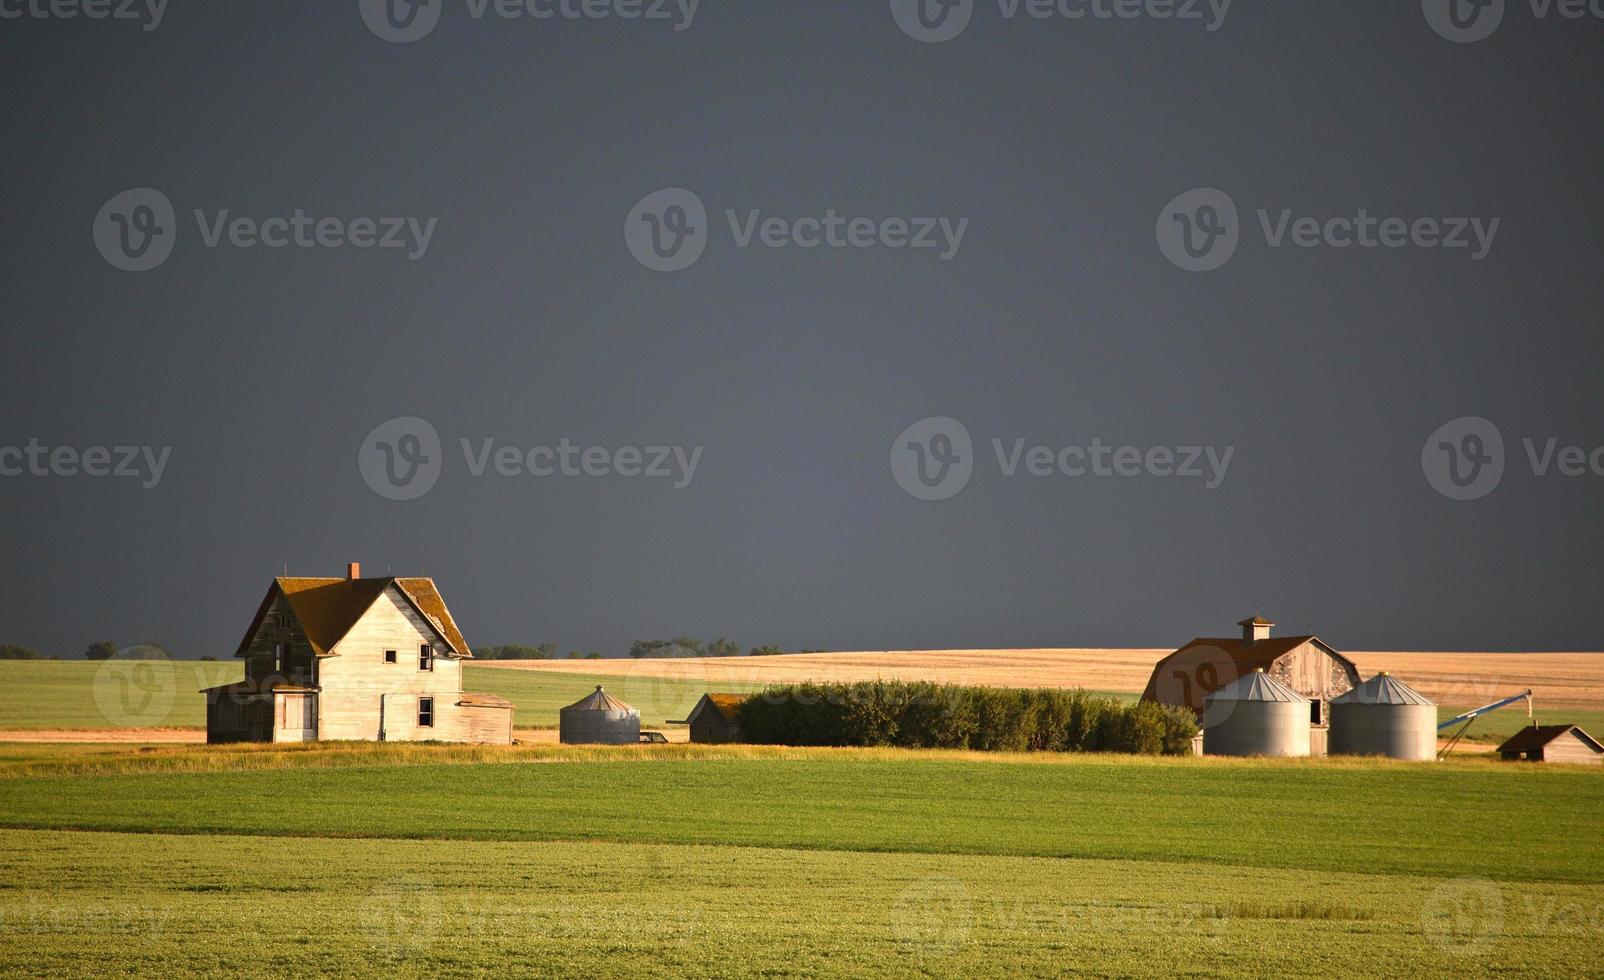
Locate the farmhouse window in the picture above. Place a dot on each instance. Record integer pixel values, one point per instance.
(425, 657)
(389, 656)
(426, 712)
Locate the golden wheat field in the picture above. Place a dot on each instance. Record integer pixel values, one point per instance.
(1558, 680)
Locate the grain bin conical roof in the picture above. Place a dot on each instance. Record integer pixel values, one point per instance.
(599, 700)
(1257, 686)
(1383, 689)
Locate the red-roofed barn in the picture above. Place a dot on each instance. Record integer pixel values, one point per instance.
(1303, 663)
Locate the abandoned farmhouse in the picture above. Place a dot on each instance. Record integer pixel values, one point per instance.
(354, 658)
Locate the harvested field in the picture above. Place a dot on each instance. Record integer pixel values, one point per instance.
(1559, 680)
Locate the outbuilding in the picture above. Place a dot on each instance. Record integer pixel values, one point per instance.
(1305, 664)
(1384, 716)
(1553, 743)
(599, 719)
(1256, 715)
(716, 718)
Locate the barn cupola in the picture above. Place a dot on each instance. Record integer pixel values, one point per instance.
(1255, 628)
(353, 570)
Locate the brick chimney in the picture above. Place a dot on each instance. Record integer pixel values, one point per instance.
(1255, 628)
(353, 570)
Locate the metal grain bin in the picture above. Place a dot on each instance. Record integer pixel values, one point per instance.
(599, 719)
(1384, 716)
(1256, 715)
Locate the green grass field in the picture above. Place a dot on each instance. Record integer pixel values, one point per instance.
(709, 861)
(163, 694)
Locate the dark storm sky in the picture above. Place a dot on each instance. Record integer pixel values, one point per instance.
(1058, 322)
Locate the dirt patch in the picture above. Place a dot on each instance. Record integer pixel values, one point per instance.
(112, 735)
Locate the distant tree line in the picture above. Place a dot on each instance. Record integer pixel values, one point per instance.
(99, 650)
(11, 651)
(523, 651)
(687, 646)
(929, 716)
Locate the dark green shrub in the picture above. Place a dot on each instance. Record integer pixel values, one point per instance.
(928, 716)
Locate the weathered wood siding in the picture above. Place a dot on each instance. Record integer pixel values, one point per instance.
(295, 718)
(711, 727)
(1569, 748)
(353, 681)
(482, 723)
(1314, 673)
(280, 626)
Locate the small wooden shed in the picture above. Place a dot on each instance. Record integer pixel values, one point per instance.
(1553, 743)
(716, 718)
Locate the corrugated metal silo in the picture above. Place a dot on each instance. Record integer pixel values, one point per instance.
(599, 719)
(1256, 715)
(1384, 716)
